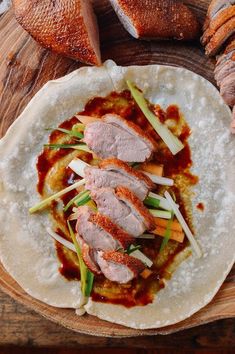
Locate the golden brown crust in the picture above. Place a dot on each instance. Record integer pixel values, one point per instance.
(117, 233)
(126, 195)
(107, 163)
(134, 264)
(136, 130)
(160, 19)
(217, 22)
(87, 258)
(220, 37)
(58, 25)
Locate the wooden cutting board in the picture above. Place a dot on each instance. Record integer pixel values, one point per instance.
(25, 67)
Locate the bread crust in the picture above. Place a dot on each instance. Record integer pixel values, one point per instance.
(127, 196)
(108, 163)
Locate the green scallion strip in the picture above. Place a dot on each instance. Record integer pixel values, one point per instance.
(160, 213)
(153, 202)
(83, 201)
(82, 266)
(77, 198)
(173, 143)
(48, 200)
(89, 283)
(167, 234)
(72, 132)
(132, 248)
(81, 147)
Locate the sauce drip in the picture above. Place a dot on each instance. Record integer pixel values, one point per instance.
(139, 291)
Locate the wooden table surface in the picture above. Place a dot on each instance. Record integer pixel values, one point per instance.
(22, 327)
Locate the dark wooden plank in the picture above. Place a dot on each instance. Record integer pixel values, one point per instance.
(24, 68)
(21, 327)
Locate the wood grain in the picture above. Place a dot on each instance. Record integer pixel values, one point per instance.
(25, 67)
(21, 327)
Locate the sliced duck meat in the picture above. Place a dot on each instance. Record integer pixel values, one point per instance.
(230, 45)
(99, 232)
(216, 6)
(233, 122)
(217, 22)
(113, 136)
(220, 37)
(89, 256)
(125, 209)
(224, 57)
(66, 27)
(227, 89)
(224, 70)
(113, 173)
(119, 267)
(157, 19)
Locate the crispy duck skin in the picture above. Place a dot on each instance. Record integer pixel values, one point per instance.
(113, 173)
(89, 256)
(105, 223)
(99, 232)
(220, 37)
(215, 7)
(217, 22)
(113, 136)
(66, 27)
(119, 267)
(125, 195)
(125, 209)
(157, 19)
(113, 163)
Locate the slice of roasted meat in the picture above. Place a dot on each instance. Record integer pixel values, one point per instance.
(119, 267)
(125, 209)
(157, 19)
(113, 173)
(66, 27)
(217, 22)
(99, 232)
(89, 256)
(113, 136)
(215, 8)
(220, 37)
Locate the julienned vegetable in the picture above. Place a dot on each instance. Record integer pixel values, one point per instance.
(79, 199)
(61, 240)
(81, 147)
(86, 276)
(167, 234)
(78, 166)
(184, 225)
(86, 119)
(173, 143)
(160, 213)
(74, 133)
(159, 180)
(139, 255)
(48, 200)
(157, 201)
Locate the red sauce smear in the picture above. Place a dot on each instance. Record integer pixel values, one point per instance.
(139, 291)
(201, 206)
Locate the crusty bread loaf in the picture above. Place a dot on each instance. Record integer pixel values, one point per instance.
(65, 27)
(158, 19)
